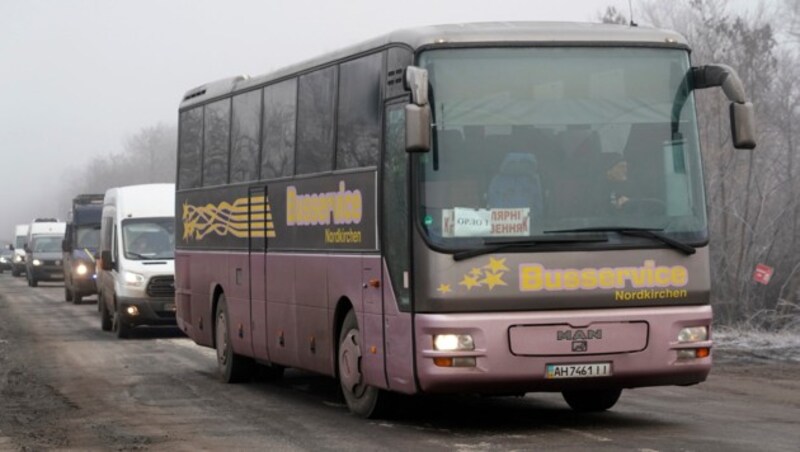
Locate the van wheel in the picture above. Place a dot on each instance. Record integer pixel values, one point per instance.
(593, 400)
(67, 294)
(105, 318)
(77, 298)
(363, 400)
(120, 327)
(33, 282)
(14, 272)
(233, 368)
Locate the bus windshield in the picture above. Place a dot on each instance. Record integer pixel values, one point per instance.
(530, 140)
(149, 238)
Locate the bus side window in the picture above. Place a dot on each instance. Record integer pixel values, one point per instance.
(315, 119)
(278, 130)
(359, 119)
(215, 142)
(191, 148)
(244, 136)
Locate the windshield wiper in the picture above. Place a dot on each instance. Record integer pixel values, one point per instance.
(651, 233)
(497, 245)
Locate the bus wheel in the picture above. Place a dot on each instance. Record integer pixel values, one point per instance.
(592, 401)
(105, 317)
(67, 293)
(233, 368)
(364, 400)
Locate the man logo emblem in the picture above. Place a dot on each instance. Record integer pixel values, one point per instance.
(579, 346)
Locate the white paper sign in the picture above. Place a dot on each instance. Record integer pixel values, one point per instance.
(467, 222)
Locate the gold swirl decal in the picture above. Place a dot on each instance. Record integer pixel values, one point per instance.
(227, 218)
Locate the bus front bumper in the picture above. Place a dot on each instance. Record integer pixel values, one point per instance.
(518, 352)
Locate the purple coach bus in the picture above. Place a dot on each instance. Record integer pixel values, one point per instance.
(473, 208)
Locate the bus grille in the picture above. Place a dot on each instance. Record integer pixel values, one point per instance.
(161, 286)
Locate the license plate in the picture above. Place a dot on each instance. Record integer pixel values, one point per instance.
(169, 307)
(586, 370)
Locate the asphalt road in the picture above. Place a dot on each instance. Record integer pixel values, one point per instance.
(65, 384)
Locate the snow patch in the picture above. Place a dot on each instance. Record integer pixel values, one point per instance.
(759, 345)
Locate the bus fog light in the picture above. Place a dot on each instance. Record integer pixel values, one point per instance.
(693, 334)
(453, 342)
(686, 354)
(132, 311)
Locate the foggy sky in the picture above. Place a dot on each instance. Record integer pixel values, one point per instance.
(80, 76)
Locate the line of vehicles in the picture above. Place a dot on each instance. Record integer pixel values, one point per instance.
(119, 246)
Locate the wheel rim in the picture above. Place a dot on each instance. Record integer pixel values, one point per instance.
(222, 339)
(350, 364)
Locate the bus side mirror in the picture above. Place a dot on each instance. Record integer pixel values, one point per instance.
(105, 260)
(742, 118)
(418, 112)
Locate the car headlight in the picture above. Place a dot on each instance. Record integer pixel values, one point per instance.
(453, 342)
(36, 262)
(132, 279)
(81, 269)
(693, 334)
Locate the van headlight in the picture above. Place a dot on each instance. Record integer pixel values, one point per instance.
(3, 260)
(132, 279)
(36, 262)
(17, 258)
(81, 269)
(453, 342)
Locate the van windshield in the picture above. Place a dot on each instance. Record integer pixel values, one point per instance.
(49, 244)
(148, 238)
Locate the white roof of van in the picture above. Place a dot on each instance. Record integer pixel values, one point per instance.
(142, 201)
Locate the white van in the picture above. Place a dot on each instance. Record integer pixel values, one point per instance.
(20, 238)
(136, 280)
(43, 251)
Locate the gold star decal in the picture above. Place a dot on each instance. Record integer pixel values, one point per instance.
(476, 272)
(444, 288)
(497, 265)
(493, 279)
(469, 282)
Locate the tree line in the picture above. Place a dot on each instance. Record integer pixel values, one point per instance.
(753, 202)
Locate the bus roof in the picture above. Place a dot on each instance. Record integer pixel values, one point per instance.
(454, 35)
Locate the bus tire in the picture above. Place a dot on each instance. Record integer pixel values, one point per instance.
(67, 293)
(363, 400)
(105, 318)
(591, 401)
(233, 368)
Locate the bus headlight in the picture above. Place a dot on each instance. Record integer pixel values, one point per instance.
(693, 334)
(453, 342)
(133, 279)
(36, 262)
(81, 269)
